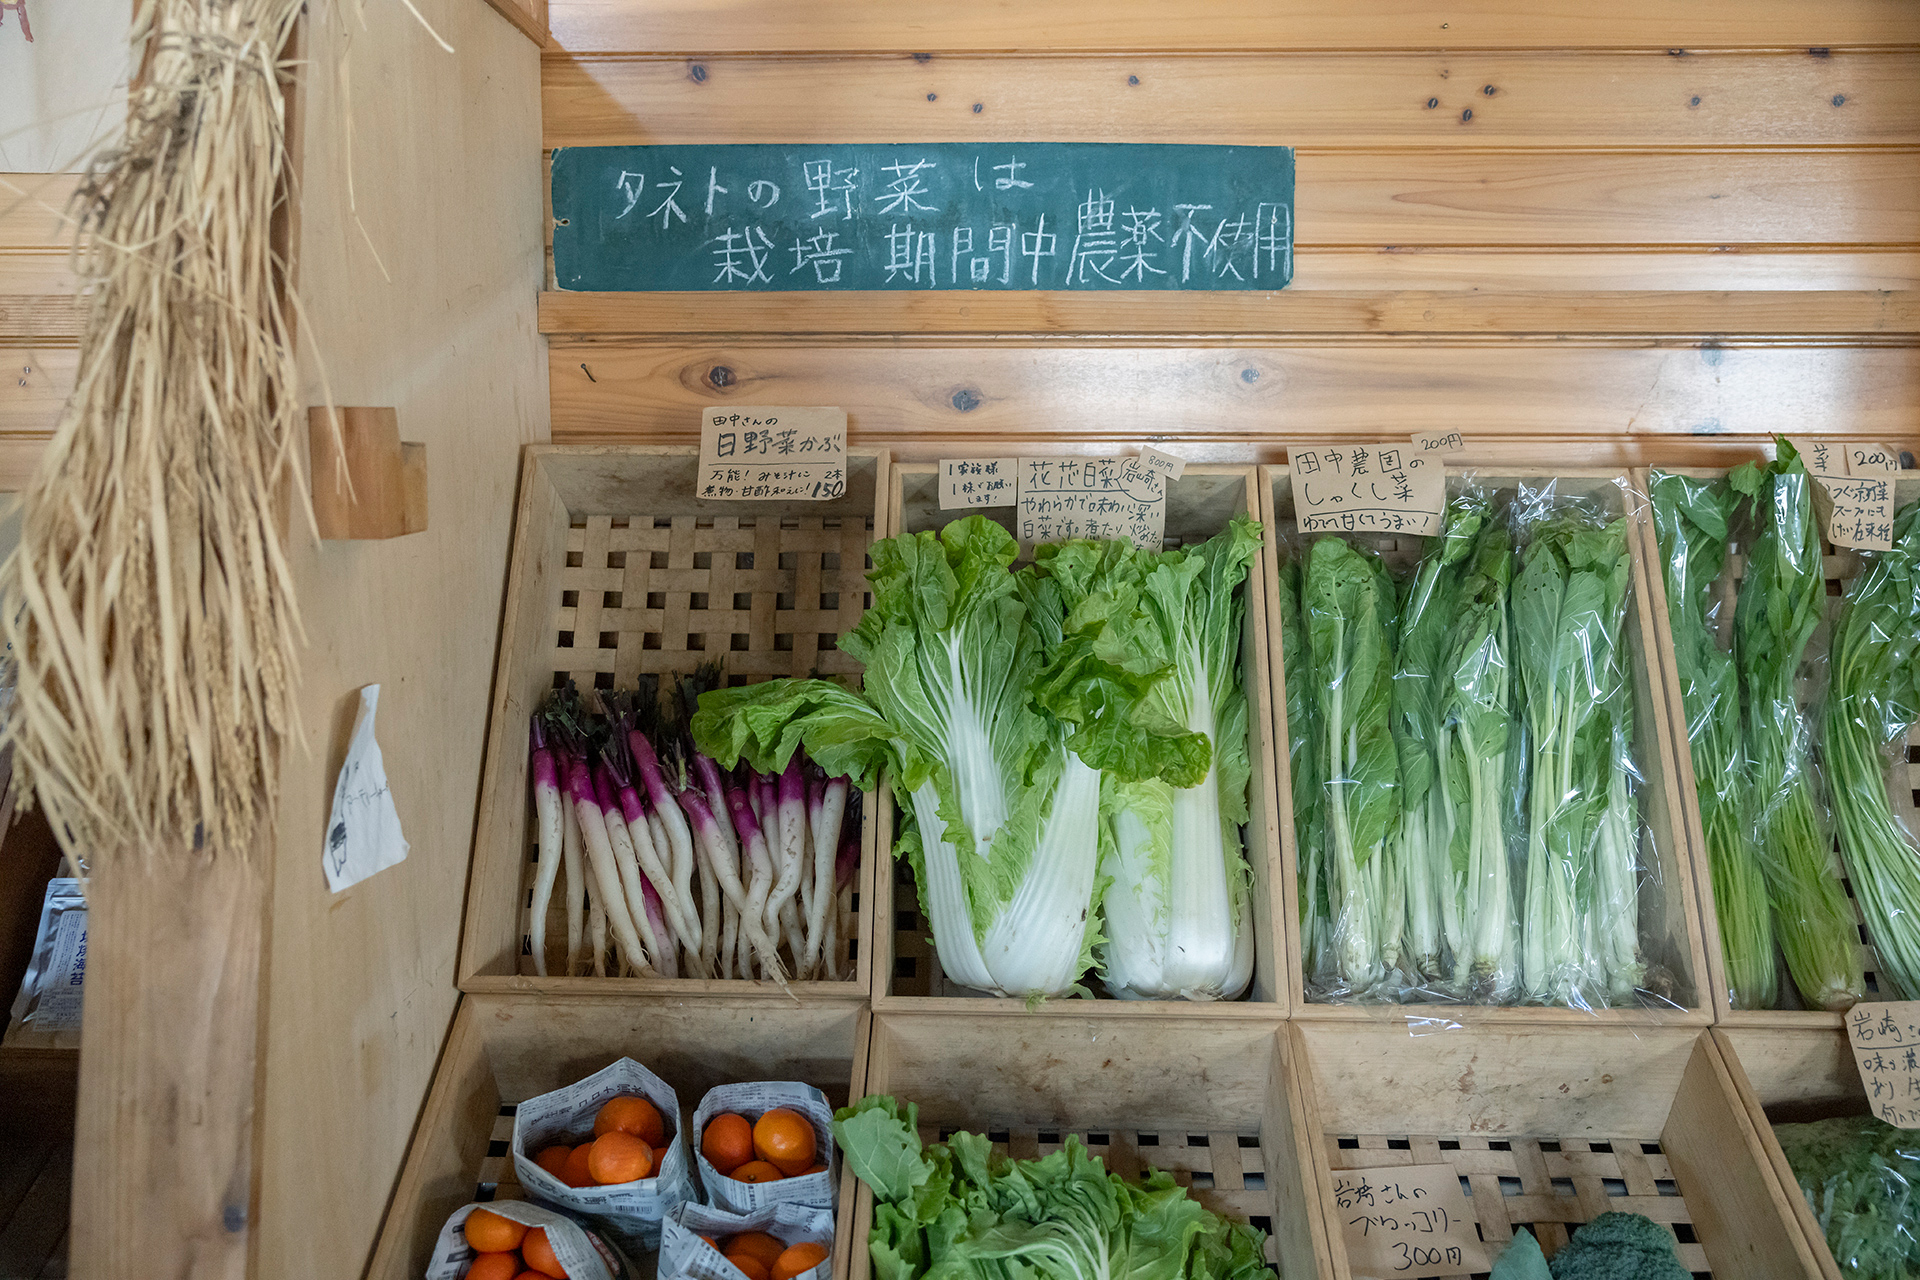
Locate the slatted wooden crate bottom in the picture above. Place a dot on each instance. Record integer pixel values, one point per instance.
(1551, 1127)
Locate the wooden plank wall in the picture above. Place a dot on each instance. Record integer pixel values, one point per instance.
(39, 322)
(446, 180)
(1643, 232)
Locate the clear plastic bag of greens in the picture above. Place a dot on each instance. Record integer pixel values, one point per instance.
(1783, 676)
(1467, 807)
(1861, 1177)
(1454, 730)
(1872, 702)
(1693, 520)
(1348, 606)
(1583, 877)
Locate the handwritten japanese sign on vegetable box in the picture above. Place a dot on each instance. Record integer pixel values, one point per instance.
(772, 453)
(1407, 1220)
(1366, 489)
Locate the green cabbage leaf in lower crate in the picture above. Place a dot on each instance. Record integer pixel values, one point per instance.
(1875, 697)
(1861, 1176)
(957, 1209)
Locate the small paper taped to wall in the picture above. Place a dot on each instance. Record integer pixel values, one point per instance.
(363, 831)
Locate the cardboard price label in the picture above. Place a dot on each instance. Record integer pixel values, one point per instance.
(1103, 498)
(772, 453)
(1407, 1220)
(1859, 512)
(1885, 1038)
(1363, 489)
(1820, 457)
(967, 483)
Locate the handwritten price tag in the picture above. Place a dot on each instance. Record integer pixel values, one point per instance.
(1361, 489)
(1886, 1048)
(1438, 444)
(966, 483)
(1407, 1220)
(1871, 460)
(1090, 498)
(772, 453)
(1165, 463)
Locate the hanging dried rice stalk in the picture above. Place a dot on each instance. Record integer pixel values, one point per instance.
(150, 610)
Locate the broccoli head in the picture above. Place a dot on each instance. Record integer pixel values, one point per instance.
(1619, 1246)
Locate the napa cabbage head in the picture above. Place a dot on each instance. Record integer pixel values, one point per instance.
(1000, 820)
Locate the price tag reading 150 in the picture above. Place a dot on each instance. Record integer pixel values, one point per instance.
(1407, 1220)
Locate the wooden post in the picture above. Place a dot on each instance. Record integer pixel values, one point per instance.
(163, 1158)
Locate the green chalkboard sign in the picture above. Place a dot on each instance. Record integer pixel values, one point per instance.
(1052, 215)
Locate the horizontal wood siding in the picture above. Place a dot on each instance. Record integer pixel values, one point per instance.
(1513, 402)
(1638, 231)
(1002, 26)
(39, 321)
(1452, 101)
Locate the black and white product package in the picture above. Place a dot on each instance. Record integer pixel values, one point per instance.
(814, 1190)
(582, 1254)
(46, 1013)
(684, 1253)
(630, 1212)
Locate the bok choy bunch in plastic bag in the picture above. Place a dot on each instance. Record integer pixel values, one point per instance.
(1466, 813)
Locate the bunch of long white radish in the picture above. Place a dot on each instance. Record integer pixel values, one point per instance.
(676, 869)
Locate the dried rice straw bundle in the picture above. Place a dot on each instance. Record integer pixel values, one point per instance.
(150, 610)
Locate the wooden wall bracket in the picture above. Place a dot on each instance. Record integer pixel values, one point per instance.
(389, 477)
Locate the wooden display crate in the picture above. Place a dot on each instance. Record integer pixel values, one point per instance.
(1669, 915)
(1210, 1098)
(504, 1049)
(1841, 565)
(1793, 1074)
(907, 970)
(618, 570)
(1551, 1127)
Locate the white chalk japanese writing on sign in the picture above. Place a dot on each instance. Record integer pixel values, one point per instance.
(878, 216)
(1359, 488)
(1885, 1038)
(978, 482)
(772, 453)
(1407, 1220)
(1060, 498)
